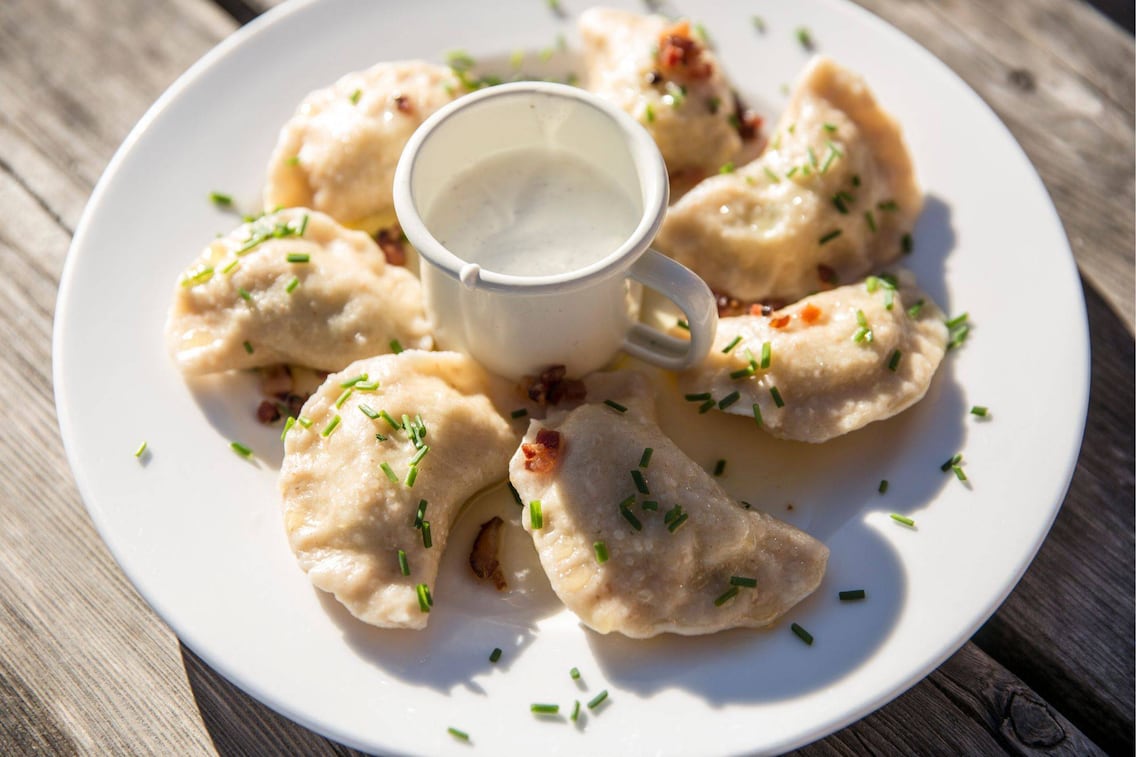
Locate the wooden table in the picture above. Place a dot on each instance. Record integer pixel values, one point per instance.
(86, 666)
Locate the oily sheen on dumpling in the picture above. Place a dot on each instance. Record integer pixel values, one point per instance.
(679, 94)
(839, 359)
(338, 153)
(829, 200)
(346, 519)
(665, 576)
(245, 304)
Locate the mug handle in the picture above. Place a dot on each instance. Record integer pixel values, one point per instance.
(685, 289)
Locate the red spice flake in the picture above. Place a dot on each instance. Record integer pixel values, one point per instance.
(682, 55)
(267, 412)
(402, 102)
(827, 276)
(780, 322)
(552, 388)
(810, 313)
(393, 244)
(541, 455)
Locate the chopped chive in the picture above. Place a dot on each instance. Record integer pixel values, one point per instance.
(902, 519)
(839, 202)
(640, 482)
(802, 634)
(544, 709)
(390, 473)
(305, 422)
(630, 517)
(458, 734)
(852, 595)
(353, 381)
(425, 601)
(745, 581)
(719, 467)
(355, 96)
(421, 453)
(705, 406)
(697, 397)
(830, 236)
(536, 515)
(893, 362)
(790, 172)
(871, 219)
(830, 128)
(367, 386)
(979, 410)
(427, 537)
(240, 449)
(758, 23)
(597, 700)
(733, 343)
(757, 414)
(812, 157)
(649, 112)
(674, 524)
(303, 226)
(728, 400)
(832, 155)
(411, 476)
(198, 275)
(291, 287)
(726, 167)
(141, 450)
(221, 199)
(913, 311)
(650, 504)
(958, 336)
(298, 257)
(645, 458)
(682, 324)
(292, 160)
(495, 655)
(575, 672)
(575, 711)
(519, 413)
(959, 474)
(772, 176)
(957, 321)
(746, 372)
(515, 493)
(248, 348)
(368, 411)
(288, 424)
(726, 596)
(380, 437)
(329, 429)
(906, 244)
(889, 298)
(420, 515)
(776, 394)
(888, 205)
(403, 565)
(391, 421)
(344, 395)
(615, 406)
(396, 346)
(883, 487)
(953, 461)
(231, 266)
(766, 354)
(600, 550)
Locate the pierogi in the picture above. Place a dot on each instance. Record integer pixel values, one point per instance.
(670, 82)
(669, 552)
(832, 198)
(347, 516)
(338, 153)
(292, 287)
(837, 360)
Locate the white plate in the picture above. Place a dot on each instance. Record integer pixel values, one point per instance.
(198, 532)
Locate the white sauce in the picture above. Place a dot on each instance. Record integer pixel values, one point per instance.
(532, 212)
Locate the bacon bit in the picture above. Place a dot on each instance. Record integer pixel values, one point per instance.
(276, 381)
(552, 388)
(827, 276)
(267, 412)
(483, 557)
(541, 455)
(728, 305)
(682, 55)
(810, 313)
(393, 244)
(402, 102)
(780, 322)
(746, 122)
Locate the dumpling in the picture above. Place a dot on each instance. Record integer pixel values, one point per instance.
(669, 81)
(292, 287)
(838, 360)
(338, 153)
(833, 197)
(347, 517)
(681, 557)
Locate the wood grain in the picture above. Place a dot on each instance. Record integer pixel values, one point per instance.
(88, 668)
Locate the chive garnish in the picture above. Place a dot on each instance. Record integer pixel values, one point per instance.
(425, 601)
(832, 155)
(458, 734)
(615, 406)
(979, 410)
(746, 372)
(396, 346)
(830, 236)
(674, 523)
(893, 362)
(802, 634)
(902, 519)
(427, 537)
(957, 321)
(883, 487)
(776, 394)
(645, 458)
(292, 160)
(344, 395)
(353, 381)
(367, 386)
(830, 128)
(420, 515)
(630, 517)
(839, 202)
(790, 172)
(519, 413)
(697, 397)
(575, 711)
(766, 354)
(852, 595)
(421, 453)
(368, 411)
(733, 343)
(913, 311)
(380, 437)
(575, 674)
(141, 450)
(495, 655)
(240, 449)
(682, 324)
(231, 266)
(650, 504)
(726, 596)
(298, 257)
(863, 334)
(221, 199)
(600, 550)
(515, 493)
(812, 157)
(544, 709)
(390, 473)
(906, 244)
(304, 421)
(719, 467)
(303, 226)
(953, 461)
(958, 336)
(726, 167)
(291, 287)
(728, 400)
(745, 581)
(198, 275)
(597, 700)
(355, 96)
(403, 564)
(391, 421)
(757, 414)
(536, 515)
(959, 474)
(411, 476)
(856, 180)
(871, 219)
(289, 422)
(329, 429)
(640, 482)
(758, 23)
(248, 348)
(772, 176)
(649, 112)
(705, 406)
(244, 293)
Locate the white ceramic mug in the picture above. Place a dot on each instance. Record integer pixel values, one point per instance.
(515, 325)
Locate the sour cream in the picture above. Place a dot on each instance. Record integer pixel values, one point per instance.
(532, 211)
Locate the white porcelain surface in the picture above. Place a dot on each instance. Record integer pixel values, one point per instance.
(198, 531)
